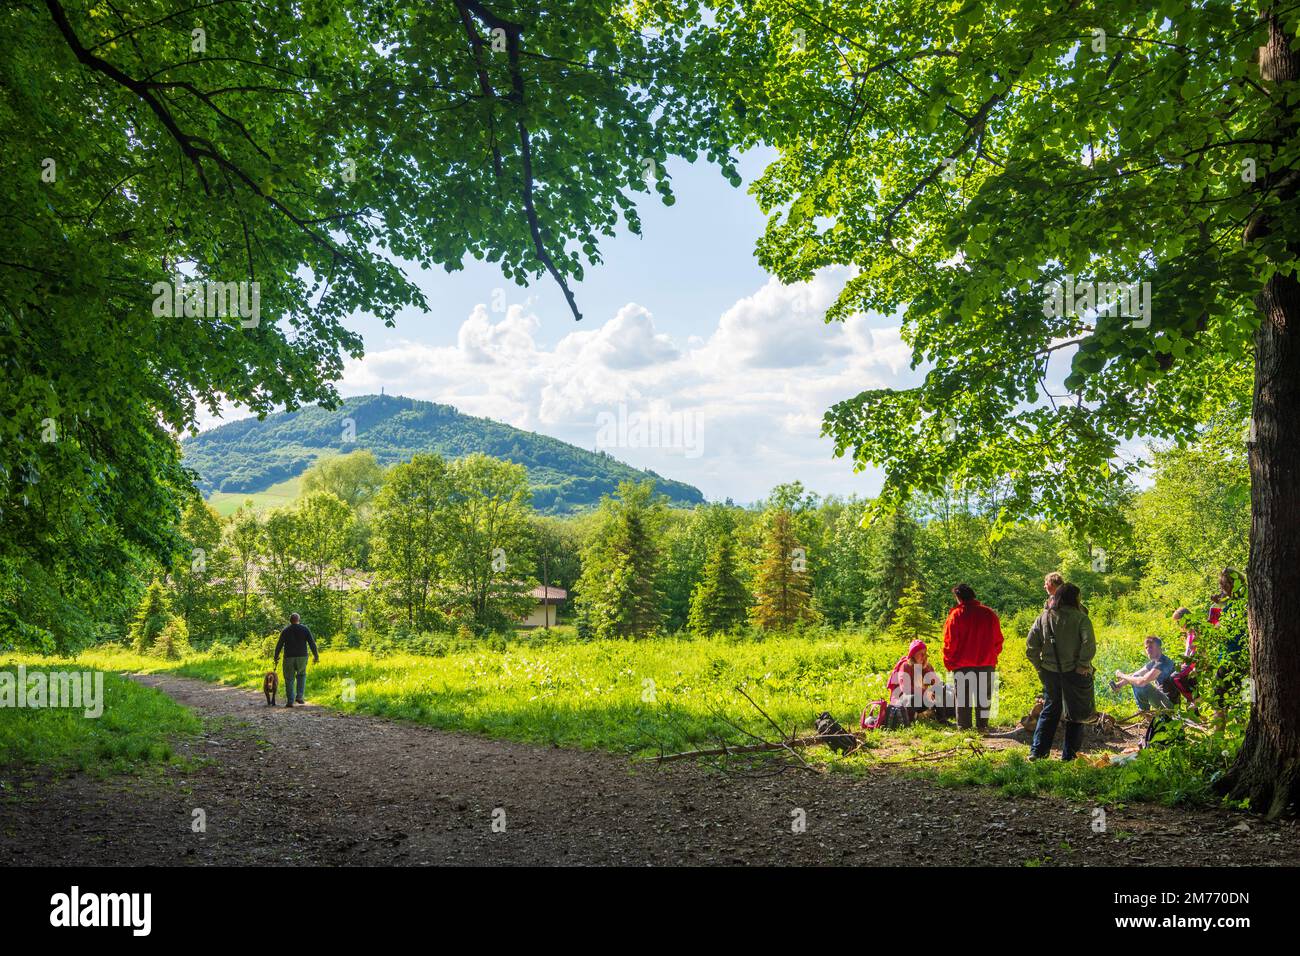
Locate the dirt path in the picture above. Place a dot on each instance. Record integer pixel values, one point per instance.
(313, 786)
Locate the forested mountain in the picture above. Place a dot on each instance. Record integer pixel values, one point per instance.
(251, 455)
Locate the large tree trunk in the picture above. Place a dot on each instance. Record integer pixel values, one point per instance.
(1267, 770)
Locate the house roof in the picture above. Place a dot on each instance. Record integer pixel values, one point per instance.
(548, 595)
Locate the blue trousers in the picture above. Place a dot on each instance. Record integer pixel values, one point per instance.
(1149, 695)
(1050, 717)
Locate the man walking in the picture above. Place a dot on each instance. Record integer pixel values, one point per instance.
(972, 641)
(294, 640)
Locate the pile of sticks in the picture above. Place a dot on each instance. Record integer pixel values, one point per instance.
(787, 742)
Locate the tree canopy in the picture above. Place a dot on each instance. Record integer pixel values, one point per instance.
(300, 151)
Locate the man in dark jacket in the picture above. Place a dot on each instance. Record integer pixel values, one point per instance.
(294, 641)
(972, 641)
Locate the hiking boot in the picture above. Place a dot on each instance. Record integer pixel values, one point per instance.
(301, 701)
(289, 702)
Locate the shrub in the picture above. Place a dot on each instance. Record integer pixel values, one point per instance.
(260, 646)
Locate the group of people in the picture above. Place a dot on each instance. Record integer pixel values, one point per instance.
(1062, 646)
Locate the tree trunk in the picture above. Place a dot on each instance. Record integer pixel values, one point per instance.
(1267, 769)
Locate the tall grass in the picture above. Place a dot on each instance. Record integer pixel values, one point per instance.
(625, 696)
(644, 697)
(137, 728)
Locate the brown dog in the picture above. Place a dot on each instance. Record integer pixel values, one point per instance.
(270, 683)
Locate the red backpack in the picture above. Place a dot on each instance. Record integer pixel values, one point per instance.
(873, 718)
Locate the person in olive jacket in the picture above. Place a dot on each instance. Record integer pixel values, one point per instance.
(1061, 646)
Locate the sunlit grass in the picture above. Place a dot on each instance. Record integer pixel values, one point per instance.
(669, 694)
(637, 697)
(136, 728)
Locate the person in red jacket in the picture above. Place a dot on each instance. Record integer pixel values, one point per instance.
(972, 641)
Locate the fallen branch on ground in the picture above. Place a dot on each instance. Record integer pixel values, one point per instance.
(764, 747)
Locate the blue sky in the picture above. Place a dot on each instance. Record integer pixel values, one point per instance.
(690, 360)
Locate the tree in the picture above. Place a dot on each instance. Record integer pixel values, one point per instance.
(689, 539)
(409, 538)
(196, 568)
(961, 537)
(244, 540)
(557, 552)
(911, 620)
(282, 574)
(618, 594)
(893, 565)
(719, 601)
(783, 586)
(274, 155)
(488, 545)
(991, 170)
(151, 618)
(1194, 520)
(173, 641)
(354, 478)
(322, 529)
(843, 593)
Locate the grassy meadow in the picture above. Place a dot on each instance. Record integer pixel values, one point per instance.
(666, 694)
(136, 728)
(279, 495)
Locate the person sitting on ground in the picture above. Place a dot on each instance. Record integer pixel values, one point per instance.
(1146, 681)
(1184, 679)
(294, 641)
(972, 641)
(912, 686)
(1061, 646)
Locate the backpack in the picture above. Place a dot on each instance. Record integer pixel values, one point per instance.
(836, 737)
(873, 718)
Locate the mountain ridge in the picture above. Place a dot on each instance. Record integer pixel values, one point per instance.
(250, 455)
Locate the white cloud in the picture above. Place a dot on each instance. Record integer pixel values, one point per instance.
(755, 386)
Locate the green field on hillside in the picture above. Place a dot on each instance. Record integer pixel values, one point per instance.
(276, 496)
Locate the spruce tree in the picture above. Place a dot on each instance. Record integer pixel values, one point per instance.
(893, 566)
(911, 621)
(719, 601)
(150, 618)
(173, 641)
(783, 589)
(617, 592)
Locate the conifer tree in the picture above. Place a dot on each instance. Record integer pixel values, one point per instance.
(617, 592)
(719, 601)
(783, 588)
(173, 641)
(893, 566)
(911, 621)
(150, 618)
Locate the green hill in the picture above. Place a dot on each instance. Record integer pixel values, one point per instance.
(250, 456)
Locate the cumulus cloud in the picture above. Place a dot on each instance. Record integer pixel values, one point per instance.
(749, 394)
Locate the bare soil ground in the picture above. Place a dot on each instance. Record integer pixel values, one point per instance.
(313, 786)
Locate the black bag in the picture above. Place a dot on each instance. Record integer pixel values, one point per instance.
(836, 737)
(897, 716)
